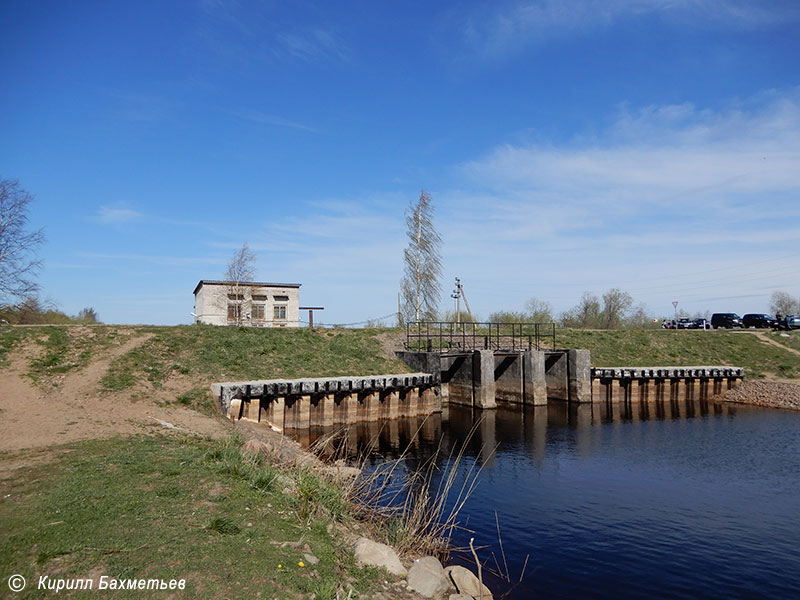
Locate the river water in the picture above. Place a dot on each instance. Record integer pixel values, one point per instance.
(673, 500)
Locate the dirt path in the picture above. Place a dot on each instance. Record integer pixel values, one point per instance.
(771, 342)
(73, 407)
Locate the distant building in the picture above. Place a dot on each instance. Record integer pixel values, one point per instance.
(248, 303)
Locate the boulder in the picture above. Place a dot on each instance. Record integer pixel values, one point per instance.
(375, 554)
(459, 597)
(257, 447)
(426, 577)
(467, 584)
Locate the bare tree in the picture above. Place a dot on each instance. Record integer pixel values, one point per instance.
(784, 303)
(420, 289)
(585, 314)
(241, 268)
(18, 246)
(616, 307)
(87, 315)
(539, 311)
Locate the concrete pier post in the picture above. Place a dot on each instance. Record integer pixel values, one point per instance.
(639, 391)
(483, 390)
(534, 384)
(580, 376)
(350, 402)
(691, 389)
(408, 407)
(393, 402)
(303, 414)
(278, 412)
(327, 404)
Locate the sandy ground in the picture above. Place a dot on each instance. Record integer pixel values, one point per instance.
(72, 407)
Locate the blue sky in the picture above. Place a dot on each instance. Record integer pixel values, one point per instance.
(568, 146)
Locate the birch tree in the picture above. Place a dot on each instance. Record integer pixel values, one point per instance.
(420, 289)
(241, 268)
(18, 246)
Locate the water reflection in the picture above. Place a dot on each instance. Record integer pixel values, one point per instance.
(418, 437)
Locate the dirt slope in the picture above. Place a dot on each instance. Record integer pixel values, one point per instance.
(72, 407)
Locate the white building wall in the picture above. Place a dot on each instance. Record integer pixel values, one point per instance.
(211, 304)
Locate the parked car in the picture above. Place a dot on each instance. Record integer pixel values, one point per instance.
(759, 321)
(701, 324)
(668, 324)
(789, 322)
(684, 324)
(726, 320)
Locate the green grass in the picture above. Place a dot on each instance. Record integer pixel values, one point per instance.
(642, 348)
(10, 337)
(171, 508)
(68, 348)
(238, 353)
(790, 339)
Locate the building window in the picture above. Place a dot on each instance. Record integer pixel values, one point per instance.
(281, 298)
(259, 298)
(257, 312)
(279, 313)
(238, 297)
(234, 312)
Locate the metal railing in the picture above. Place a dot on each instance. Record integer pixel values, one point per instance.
(442, 336)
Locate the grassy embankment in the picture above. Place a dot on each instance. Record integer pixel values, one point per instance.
(644, 348)
(178, 507)
(181, 506)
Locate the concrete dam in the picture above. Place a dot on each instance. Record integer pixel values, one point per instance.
(479, 378)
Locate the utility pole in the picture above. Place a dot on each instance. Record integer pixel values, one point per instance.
(457, 295)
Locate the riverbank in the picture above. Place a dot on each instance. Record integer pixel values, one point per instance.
(771, 394)
(115, 463)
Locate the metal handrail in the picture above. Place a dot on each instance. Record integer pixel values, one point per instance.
(448, 336)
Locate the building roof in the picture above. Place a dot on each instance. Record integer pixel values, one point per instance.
(247, 283)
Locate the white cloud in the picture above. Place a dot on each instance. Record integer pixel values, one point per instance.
(313, 44)
(268, 119)
(505, 27)
(668, 200)
(675, 154)
(116, 214)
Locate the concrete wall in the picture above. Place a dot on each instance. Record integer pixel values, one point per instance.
(456, 374)
(211, 303)
(508, 378)
(556, 375)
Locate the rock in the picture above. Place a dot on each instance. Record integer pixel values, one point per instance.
(426, 577)
(311, 559)
(256, 447)
(466, 583)
(343, 472)
(376, 554)
(459, 597)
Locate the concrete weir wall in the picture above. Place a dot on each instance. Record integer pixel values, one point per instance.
(480, 378)
(662, 383)
(303, 403)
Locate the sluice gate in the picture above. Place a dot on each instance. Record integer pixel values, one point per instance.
(303, 403)
(662, 383)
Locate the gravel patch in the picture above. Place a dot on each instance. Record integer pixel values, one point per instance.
(766, 393)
